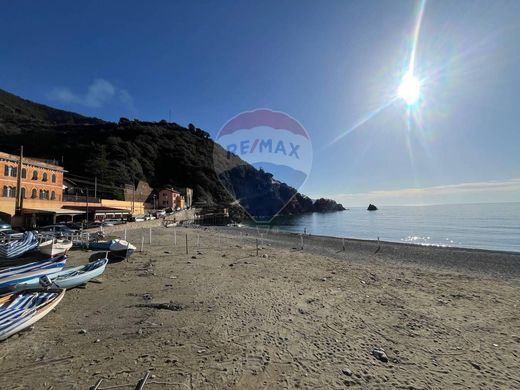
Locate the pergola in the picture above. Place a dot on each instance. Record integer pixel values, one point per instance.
(51, 213)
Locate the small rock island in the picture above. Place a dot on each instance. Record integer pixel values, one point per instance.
(371, 207)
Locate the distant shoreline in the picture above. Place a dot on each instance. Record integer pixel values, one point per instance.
(491, 262)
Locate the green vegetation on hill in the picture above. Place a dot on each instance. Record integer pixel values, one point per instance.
(158, 152)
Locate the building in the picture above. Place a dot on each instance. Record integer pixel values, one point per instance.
(168, 198)
(139, 194)
(31, 191)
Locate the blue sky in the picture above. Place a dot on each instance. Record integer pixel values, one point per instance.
(327, 64)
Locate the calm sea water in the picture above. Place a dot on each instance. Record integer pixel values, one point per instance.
(483, 226)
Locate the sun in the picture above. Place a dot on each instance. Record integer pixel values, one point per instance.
(409, 89)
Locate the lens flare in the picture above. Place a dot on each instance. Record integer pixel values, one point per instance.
(409, 89)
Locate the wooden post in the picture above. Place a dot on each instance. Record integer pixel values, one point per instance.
(219, 240)
(343, 244)
(198, 240)
(257, 247)
(126, 253)
(175, 236)
(150, 236)
(301, 241)
(186, 243)
(142, 243)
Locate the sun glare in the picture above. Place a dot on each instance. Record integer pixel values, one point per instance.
(409, 89)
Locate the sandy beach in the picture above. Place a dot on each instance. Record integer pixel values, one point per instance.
(221, 317)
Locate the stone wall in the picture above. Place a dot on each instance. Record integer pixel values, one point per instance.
(180, 216)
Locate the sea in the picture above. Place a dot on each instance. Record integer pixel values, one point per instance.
(493, 226)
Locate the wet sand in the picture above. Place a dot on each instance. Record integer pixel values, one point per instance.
(287, 318)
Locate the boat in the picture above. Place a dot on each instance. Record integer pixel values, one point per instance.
(67, 278)
(10, 277)
(118, 248)
(169, 224)
(22, 309)
(54, 247)
(16, 248)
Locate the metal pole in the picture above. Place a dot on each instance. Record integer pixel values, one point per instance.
(95, 186)
(175, 236)
(343, 244)
(301, 241)
(87, 204)
(257, 247)
(186, 243)
(19, 181)
(142, 243)
(150, 236)
(125, 233)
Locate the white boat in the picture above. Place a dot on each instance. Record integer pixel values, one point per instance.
(54, 247)
(119, 249)
(20, 310)
(169, 224)
(68, 277)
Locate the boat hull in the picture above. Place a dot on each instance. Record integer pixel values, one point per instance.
(52, 248)
(10, 277)
(15, 317)
(69, 277)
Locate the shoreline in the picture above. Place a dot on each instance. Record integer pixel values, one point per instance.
(492, 262)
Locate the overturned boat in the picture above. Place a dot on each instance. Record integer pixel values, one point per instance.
(119, 249)
(20, 310)
(11, 249)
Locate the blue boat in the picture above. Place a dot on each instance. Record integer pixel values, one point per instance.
(67, 278)
(10, 277)
(16, 248)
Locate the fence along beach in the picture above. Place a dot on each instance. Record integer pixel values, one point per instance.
(215, 314)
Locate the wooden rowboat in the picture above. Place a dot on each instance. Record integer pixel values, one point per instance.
(20, 310)
(68, 278)
(10, 277)
(55, 247)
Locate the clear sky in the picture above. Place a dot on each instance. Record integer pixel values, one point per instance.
(328, 64)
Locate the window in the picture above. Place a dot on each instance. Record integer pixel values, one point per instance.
(53, 195)
(9, 192)
(23, 193)
(34, 194)
(53, 178)
(9, 171)
(35, 175)
(44, 194)
(24, 173)
(44, 176)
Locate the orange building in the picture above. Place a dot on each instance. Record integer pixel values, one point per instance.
(169, 198)
(41, 187)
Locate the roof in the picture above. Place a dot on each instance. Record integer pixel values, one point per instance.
(53, 211)
(169, 189)
(98, 208)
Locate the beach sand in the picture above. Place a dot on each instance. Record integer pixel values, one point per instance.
(287, 318)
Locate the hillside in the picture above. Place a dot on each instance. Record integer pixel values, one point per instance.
(159, 152)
